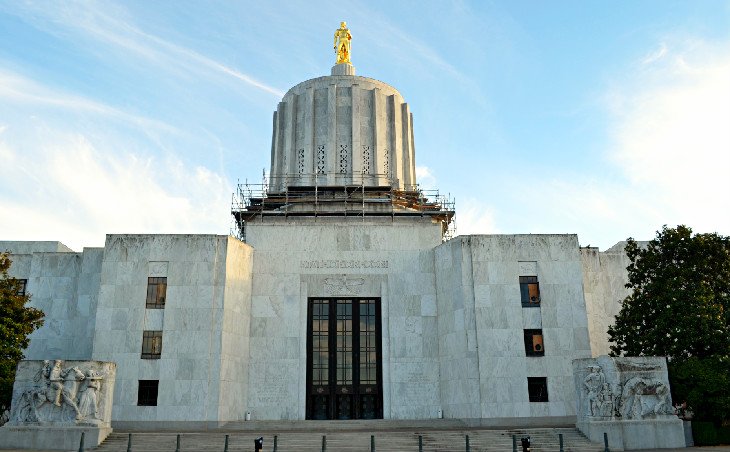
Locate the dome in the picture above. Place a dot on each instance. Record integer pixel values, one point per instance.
(342, 130)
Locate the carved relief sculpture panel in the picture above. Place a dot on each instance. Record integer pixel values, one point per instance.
(63, 393)
(632, 388)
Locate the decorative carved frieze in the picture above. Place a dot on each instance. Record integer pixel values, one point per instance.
(343, 285)
(622, 388)
(57, 392)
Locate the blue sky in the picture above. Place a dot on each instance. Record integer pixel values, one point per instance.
(605, 119)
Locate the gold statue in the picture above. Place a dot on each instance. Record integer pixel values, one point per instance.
(342, 43)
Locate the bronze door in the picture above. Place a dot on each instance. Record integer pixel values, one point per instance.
(344, 369)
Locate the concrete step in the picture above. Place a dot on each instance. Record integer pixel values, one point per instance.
(480, 440)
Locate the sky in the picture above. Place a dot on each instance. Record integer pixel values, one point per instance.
(603, 119)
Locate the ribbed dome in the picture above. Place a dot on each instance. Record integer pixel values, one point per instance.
(342, 130)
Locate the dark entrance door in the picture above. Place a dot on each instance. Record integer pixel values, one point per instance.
(344, 368)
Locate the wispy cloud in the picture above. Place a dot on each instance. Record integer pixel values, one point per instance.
(108, 23)
(78, 192)
(671, 133)
(656, 54)
(19, 89)
(669, 153)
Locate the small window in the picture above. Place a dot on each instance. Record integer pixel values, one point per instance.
(533, 343)
(22, 286)
(151, 344)
(156, 292)
(537, 389)
(529, 291)
(147, 393)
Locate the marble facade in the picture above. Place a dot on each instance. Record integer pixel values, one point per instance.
(230, 337)
(234, 324)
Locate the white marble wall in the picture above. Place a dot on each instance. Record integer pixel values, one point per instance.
(491, 265)
(236, 332)
(64, 285)
(458, 354)
(195, 340)
(394, 260)
(604, 280)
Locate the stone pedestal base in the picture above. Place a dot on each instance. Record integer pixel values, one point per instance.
(343, 69)
(662, 433)
(50, 438)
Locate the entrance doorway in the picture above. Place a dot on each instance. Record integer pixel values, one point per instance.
(344, 367)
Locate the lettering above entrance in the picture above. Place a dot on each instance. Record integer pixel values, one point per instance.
(338, 263)
(344, 359)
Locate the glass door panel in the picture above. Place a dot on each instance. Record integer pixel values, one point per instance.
(343, 359)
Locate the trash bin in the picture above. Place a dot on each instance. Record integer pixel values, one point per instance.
(258, 443)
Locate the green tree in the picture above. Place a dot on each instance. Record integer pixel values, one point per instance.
(17, 321)
(679, 307)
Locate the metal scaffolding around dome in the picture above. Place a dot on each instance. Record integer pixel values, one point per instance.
(254, 202)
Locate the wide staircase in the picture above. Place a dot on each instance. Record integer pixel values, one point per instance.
(393, 440)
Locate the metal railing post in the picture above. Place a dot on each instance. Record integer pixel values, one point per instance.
(468, 448)
(605, 442)
(177, 447)
(276, 443)
(129, 443)
(225, 446)
(560, 437)
(420, 443)
(372, 443)
(81, 443)
(514, 443)
(324, 443)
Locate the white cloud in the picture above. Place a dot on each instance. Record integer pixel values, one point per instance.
(425, 178)
(655, 55)
(666, 162)
(21, 90)
(110, 23)
(76, 191)
(73, 169)
(474, 217)
(672, 135)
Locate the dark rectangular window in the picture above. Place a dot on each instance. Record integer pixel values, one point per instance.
(151, 344)
(147, 392)
(533, 343)
(156, 292)
(22, 286)
(537, 389)
(529, 291)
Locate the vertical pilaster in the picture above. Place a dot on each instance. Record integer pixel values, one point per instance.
(331, 149)
(308, 124)
(280, 148)
(406, 176)
(378, 138)
(413, 152)
(291, 140)
(356, 151)
(274, 153)
(396, 162)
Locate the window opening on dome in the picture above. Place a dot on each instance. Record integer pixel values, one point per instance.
(343, 159)
(300, 161)
(366, 159)
(320, 159)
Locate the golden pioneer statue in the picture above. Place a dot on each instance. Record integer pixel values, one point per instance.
(342, 43)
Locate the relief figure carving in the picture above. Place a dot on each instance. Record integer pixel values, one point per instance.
(58, 395)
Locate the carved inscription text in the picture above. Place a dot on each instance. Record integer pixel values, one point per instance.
(337, 263)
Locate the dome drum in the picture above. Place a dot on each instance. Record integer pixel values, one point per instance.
(339, 131)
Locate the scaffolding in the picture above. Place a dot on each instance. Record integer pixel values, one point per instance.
(354, 198)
